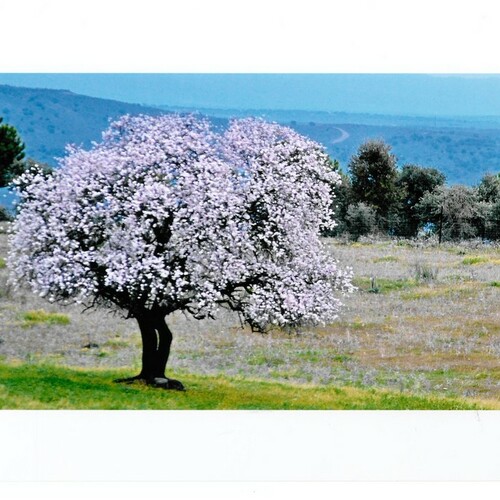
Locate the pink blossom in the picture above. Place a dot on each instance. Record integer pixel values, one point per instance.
(166, 213)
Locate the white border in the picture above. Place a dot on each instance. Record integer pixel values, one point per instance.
(259, 36)
(252, 490)
(249, 446)
(340, 36)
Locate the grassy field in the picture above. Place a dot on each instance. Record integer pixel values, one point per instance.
(422, 329)
(24, 386)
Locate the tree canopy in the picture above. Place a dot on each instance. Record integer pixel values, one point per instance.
(488, 189)
(374, 173)
(454, 207)
(413, 182)
(11, 153)
(165, 215)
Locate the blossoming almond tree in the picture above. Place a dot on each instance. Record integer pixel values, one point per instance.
(166, 215)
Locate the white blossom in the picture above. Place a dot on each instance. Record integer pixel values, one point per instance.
(163, 212)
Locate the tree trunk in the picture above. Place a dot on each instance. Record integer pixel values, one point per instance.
(156, 342)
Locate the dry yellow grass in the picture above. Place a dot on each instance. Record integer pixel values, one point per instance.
(439, 337)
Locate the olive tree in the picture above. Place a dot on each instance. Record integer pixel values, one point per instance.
(360, 220)
(455, 209)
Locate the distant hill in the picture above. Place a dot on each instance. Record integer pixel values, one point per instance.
(334, 117)
(47, 120)
(463, 155)
(464, 149)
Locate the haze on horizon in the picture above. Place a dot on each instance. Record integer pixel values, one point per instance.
(390, 94)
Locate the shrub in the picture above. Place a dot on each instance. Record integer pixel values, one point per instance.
(425, 272)
(360, 220)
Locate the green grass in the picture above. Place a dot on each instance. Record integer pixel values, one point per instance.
(3, 264)
(495, 284)
(476, 259)
(383, 285)
(24, 386)
(32, 318)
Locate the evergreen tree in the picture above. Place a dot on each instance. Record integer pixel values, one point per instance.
(11, 153)
(413, 182)
(488, 189)
(373, 174)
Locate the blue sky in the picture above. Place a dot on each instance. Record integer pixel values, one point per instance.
(396, 94)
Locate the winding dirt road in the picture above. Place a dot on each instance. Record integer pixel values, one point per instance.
(343, 136)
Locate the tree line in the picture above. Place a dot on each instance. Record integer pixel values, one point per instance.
(379, 197)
